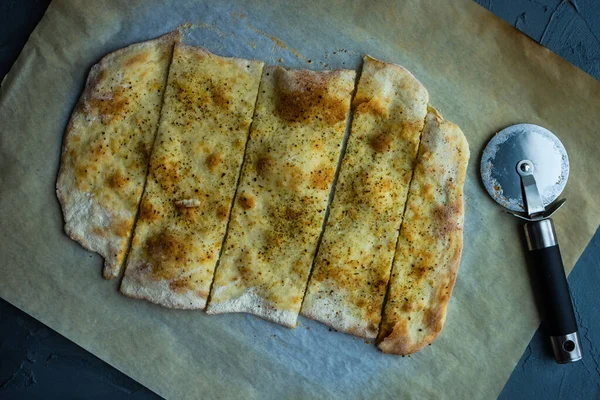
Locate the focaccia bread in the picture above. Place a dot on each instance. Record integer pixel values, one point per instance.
(194, 168)
(290, 163)
(430, 244)
(107, 144)
(352, 268)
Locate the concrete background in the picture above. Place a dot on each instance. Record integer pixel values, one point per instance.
(36, 362)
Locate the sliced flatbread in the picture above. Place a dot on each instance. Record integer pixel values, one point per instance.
(277, 217)
(430, 244)
(107, 144)
(194, 168)
(352, 268)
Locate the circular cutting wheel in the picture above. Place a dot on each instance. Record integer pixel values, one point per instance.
(524, 142)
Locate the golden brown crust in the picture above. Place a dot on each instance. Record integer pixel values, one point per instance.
(194, 167)
(288, 170)
(430, 243)
(351, 271)
(103, 165)
(307, 97)
(279, 208)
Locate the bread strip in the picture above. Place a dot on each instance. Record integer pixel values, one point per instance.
(194, 169)
(352, 268)
(430, 243)
(107, 144)
(277, 217)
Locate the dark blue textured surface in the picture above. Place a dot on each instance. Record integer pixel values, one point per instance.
(36, 362)
(570, 28)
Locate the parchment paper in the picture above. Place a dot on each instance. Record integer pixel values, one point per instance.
(480, 72)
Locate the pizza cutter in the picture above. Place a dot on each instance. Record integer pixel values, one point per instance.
(525, 168)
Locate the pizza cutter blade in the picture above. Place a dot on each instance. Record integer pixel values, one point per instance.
(525, 168)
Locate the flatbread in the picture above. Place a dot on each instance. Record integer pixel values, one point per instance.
(292, 154)
(194, 169)
(430, 244)
(107, 144)
(352, 268)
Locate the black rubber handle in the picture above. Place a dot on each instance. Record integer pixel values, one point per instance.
(555, 297)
